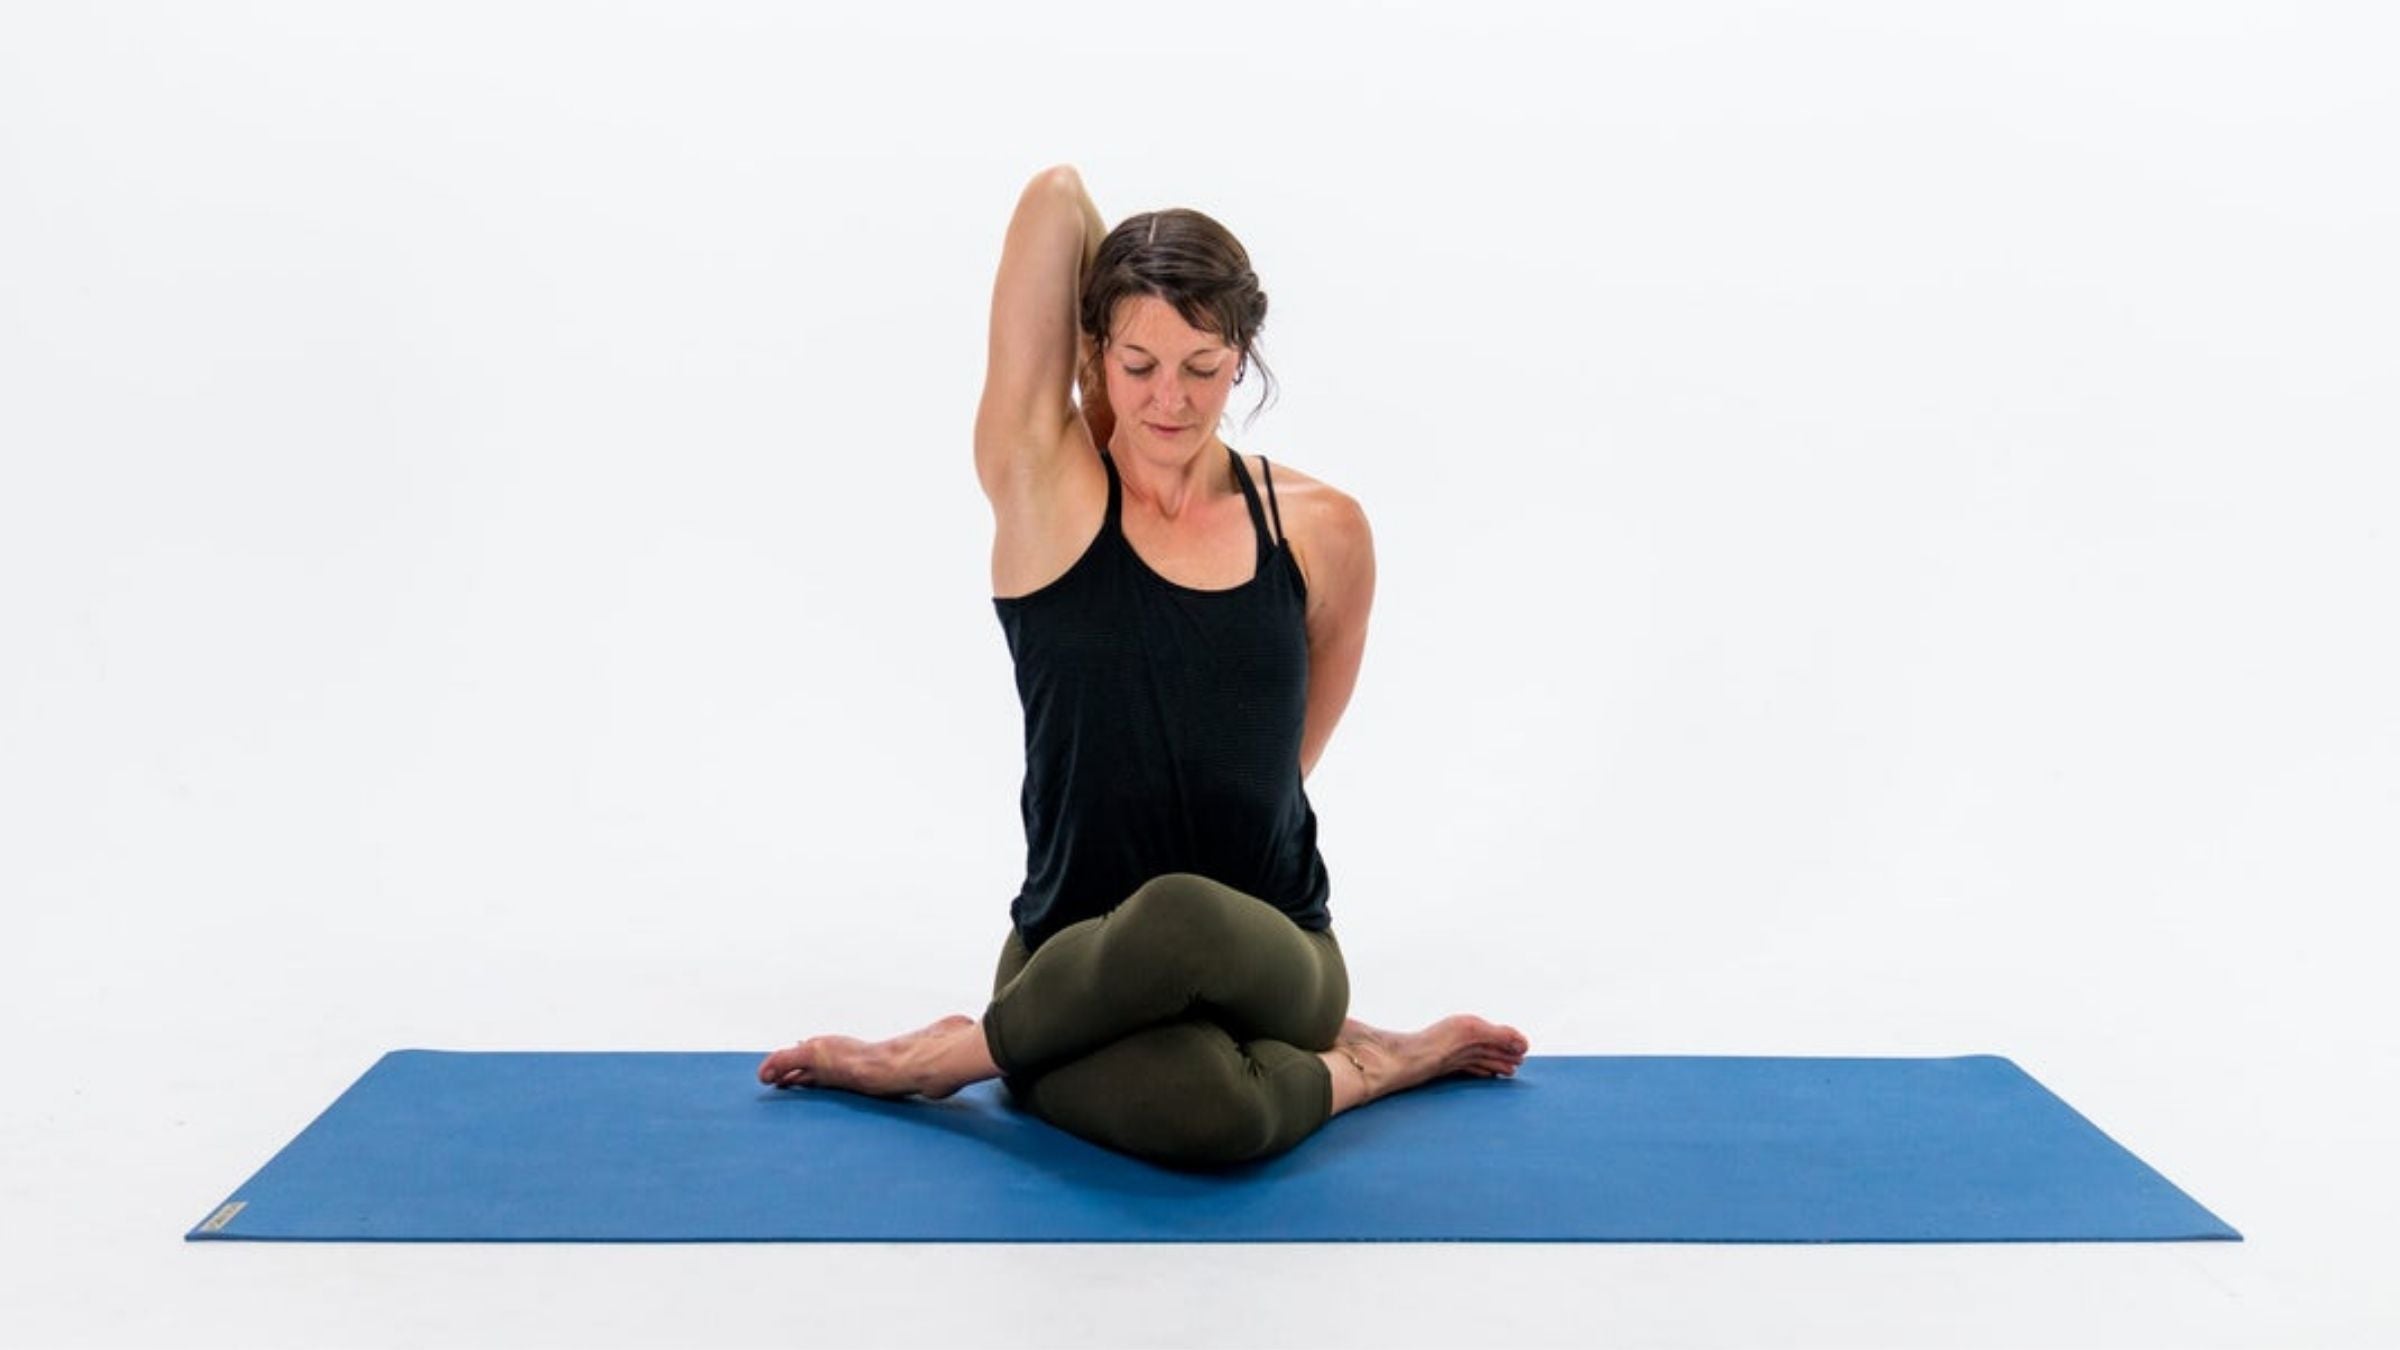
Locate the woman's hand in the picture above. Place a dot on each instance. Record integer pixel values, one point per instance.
(1092, 391)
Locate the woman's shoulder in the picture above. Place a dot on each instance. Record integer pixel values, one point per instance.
(1322, 522)
(1306, 500)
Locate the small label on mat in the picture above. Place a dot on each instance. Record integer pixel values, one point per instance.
(223, 1216)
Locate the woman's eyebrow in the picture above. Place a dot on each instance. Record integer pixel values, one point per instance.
(1204, 351)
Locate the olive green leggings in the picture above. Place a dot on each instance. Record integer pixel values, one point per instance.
(1182, 1026)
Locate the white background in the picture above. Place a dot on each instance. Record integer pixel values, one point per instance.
(1885, 517)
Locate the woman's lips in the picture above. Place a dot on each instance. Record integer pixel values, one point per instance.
(1163, 431)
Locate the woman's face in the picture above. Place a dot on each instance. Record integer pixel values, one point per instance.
(1167, 381)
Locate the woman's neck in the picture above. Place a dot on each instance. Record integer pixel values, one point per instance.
(1172, 490)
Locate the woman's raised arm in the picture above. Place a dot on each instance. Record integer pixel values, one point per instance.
(1030, 372)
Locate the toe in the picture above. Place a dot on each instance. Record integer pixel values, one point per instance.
(782, 1064)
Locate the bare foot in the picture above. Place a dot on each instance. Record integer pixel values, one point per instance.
(1395, 1061)
(932, 1061)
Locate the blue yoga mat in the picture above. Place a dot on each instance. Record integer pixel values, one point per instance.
(609, 1147)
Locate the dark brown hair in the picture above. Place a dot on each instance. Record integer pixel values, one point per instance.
(1192, 263)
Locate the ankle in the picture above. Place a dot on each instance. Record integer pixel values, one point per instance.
(1370, 1080)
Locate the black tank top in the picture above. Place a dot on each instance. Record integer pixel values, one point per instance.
(1162, 729)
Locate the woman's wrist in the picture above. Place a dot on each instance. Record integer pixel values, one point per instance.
(1101, 418)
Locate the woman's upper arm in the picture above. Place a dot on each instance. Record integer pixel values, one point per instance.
(1030, 368)
(1341, 594)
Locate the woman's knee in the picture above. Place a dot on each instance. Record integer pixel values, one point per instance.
(1182, 912)
(1171, 891)
(1209, 1120)
(1178, 1094)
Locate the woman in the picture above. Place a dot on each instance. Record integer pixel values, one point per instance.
(1184, 644)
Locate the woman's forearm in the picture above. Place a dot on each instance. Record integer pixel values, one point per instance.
(1091, 386)
(1095, 228)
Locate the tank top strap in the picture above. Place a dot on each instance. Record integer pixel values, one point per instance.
(1258, 516)
(1268, 467)
(1112, 520)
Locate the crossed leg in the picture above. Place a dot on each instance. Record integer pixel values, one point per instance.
(1192, 1025)
(1185, 1093)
